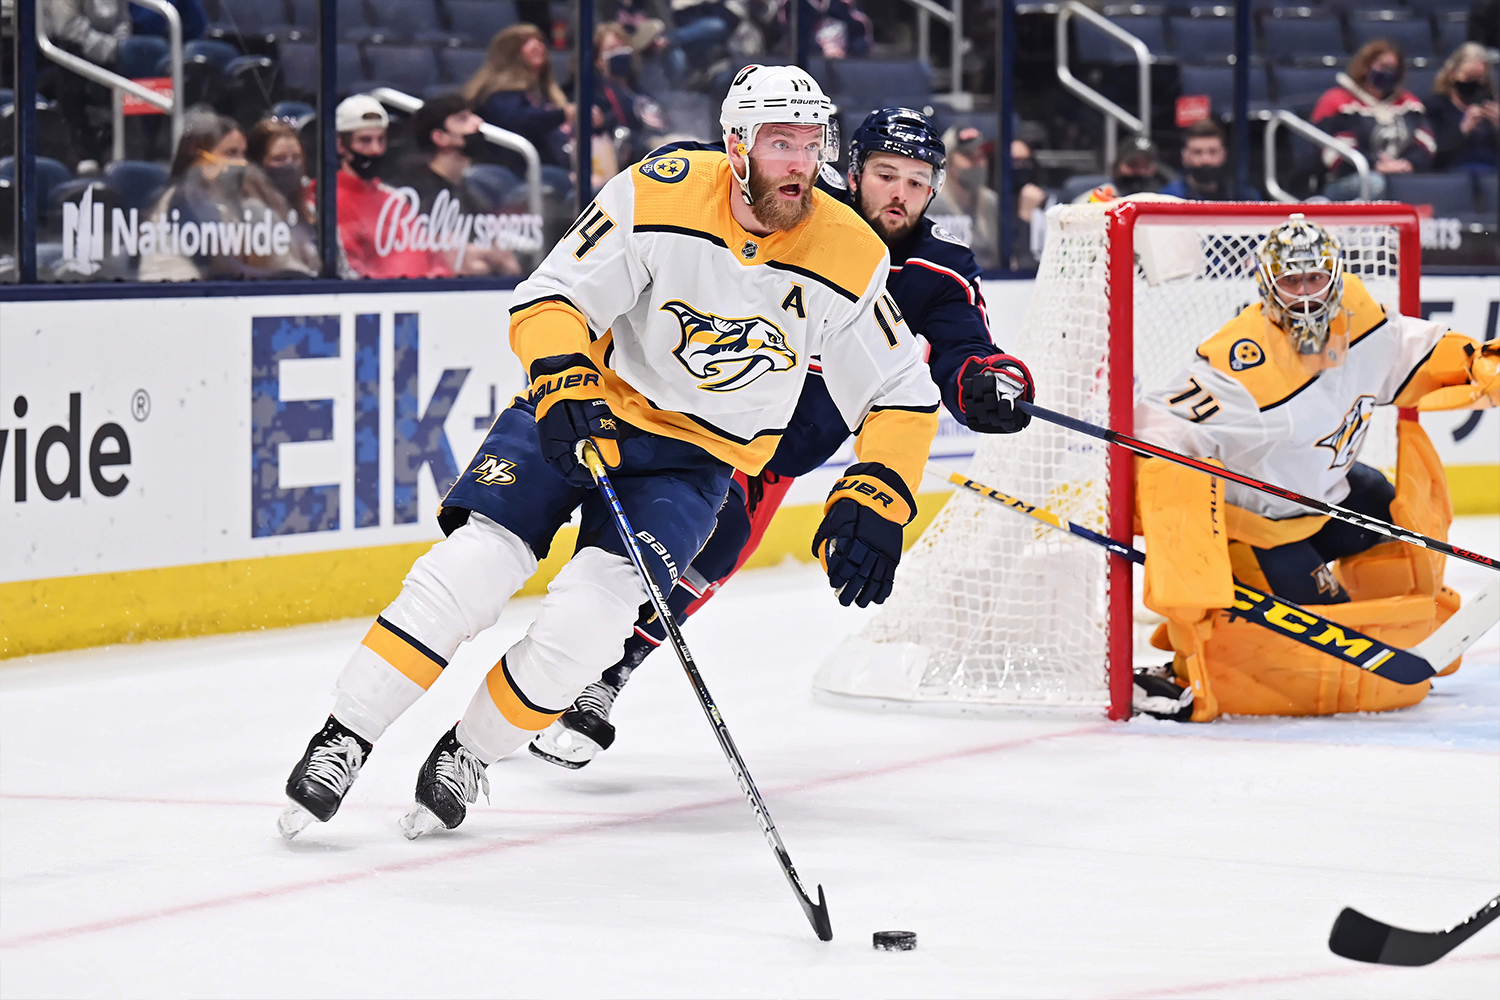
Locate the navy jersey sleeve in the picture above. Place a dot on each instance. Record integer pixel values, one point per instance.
(937, 289)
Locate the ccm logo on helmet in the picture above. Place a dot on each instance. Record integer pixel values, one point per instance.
(859, 486)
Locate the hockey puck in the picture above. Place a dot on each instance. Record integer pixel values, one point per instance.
(896, 940)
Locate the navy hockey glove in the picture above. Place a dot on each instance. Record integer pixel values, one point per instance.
(987, 392)
(859, 541)
(566, 391)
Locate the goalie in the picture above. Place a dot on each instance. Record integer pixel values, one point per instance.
(1285, 392)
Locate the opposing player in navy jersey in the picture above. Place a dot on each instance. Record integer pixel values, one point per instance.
(896, 165)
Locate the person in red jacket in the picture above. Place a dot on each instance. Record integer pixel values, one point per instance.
(1371, 111)
(377, 224)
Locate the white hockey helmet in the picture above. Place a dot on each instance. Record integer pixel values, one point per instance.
(783, 95)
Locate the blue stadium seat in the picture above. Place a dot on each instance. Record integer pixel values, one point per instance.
(218, 53)
(562, 65)
(460, 64)
(491, 183)
(410, 68)
(477, 21)
(304, 13)
(1413, 38)
(1489, 193)
(138, 181)
(50, 175)
(1419, 81)
(1201, 39)
(294, 113)
(354, 21)
(1452, 31)
(1218, 83)
(871, 83)
(1298, 88)
(248, 17)
(408, 20)
(351, 66)
(1424, 8)
(1094, 46)
(299, 65)
(1293, 39)
(1450, 195)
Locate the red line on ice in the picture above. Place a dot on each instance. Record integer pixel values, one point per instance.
(414, 864)
(268, 804)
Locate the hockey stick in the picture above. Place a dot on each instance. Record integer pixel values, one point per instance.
(1353, 517)
(1404, 666)
(817, 913)
(1365, 939)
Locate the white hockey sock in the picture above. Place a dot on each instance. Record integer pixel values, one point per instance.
(451, 594)
(588, 612)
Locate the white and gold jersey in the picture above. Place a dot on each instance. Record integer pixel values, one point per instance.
(704, 331)
(1248, 400)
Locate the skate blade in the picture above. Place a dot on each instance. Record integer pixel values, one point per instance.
(557, 744)
(293, 820)
(419, 821)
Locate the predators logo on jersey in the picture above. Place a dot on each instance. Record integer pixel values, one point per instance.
(494, 471)
(1245, 353)
(728, 354)
(1345, 442)
(667, 169)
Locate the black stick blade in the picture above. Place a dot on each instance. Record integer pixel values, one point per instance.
(1356, 936)
(818, 914)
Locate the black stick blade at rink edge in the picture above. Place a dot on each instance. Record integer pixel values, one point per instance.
(1365, 939)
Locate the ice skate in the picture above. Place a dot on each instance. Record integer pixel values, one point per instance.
(322, 777)
(582, 732)
(450, 777)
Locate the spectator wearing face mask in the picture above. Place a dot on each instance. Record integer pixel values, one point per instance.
(445, 131)
(275, 147)
(1137, 169)
(1464, 112)
(1370, 110)
(373, 248)
(967, 206)
(220, 217)
(1205, 171)
(638, 115)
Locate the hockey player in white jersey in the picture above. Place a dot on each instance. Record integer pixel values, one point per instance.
(1285, 392)
(672, 325)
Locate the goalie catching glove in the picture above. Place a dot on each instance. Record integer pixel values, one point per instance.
(566, 391)
(859, 541)
(1483, 388)
(987, 392)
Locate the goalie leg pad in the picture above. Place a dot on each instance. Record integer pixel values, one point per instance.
(451, 594)
(580, 630)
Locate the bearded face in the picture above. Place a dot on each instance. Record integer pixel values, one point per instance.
(891, 218)
(780, 203)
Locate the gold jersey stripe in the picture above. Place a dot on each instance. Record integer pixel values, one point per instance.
(396, 651)
(513, 705)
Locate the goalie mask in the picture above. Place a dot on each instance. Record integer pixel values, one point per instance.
(1300, 272)
(781, 95)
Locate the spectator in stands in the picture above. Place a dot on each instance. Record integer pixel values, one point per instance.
(622, 107)
(1370, 110)
(514, 90)
(701, 27)
(1464, 112)
(1205, 172)
(643, 21)
(219, 216)
(100, 31)
(374, 246)
(446, 132)
(1137, 169)
(967, 206)
(1031, 204)
(273, 145)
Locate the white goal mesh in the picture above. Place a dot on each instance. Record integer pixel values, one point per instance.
(993, 608)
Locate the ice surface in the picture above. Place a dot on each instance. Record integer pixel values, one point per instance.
(139, 789)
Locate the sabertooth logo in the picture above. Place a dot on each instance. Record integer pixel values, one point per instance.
(729, 354)
(1346, 441)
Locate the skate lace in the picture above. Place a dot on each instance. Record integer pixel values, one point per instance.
(597, 699)
(463, 774)
(337, 764)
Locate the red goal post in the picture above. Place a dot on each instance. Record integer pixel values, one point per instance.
(992, 610)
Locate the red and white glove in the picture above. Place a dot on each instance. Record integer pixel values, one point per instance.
(988, 389)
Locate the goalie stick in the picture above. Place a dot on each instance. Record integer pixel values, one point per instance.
(1404, 666)
(1365, 939)
(817, 913)
(1353, 517)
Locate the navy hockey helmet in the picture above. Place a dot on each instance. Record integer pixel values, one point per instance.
(901, 131)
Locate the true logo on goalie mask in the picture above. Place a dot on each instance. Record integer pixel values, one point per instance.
(1345, 442)
(728, 354)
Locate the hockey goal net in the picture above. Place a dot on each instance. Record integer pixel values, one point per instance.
(991, 608)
